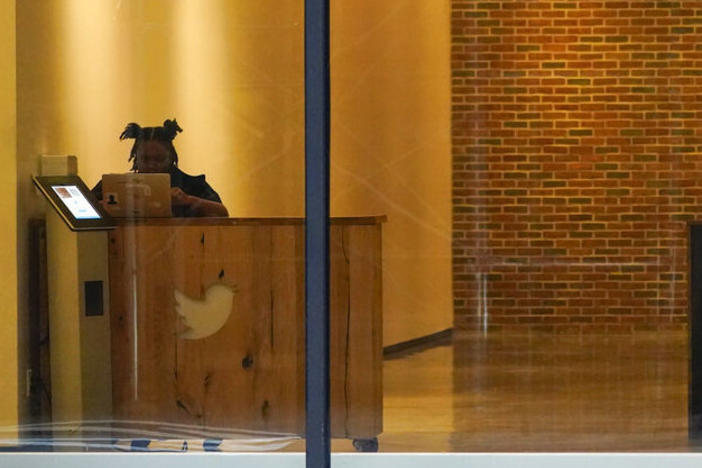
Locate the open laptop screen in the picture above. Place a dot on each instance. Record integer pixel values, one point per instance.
(137, 195)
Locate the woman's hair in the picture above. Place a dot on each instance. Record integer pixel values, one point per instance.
(164, 134)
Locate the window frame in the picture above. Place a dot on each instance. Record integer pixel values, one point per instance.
(318, 453)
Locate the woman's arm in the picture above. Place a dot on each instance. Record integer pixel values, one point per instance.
(202, 207)
(198, 206)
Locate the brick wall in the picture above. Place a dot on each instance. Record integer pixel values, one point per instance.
(577, 132)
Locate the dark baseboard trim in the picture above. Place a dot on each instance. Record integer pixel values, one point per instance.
(416, 345)
(38, 446)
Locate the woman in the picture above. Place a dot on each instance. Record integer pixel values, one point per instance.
(153, 152)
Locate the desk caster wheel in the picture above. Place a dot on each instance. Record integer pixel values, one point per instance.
(366, 445)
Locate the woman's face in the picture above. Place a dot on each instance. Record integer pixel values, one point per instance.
(153, 156)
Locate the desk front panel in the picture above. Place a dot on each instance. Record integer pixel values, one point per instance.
(249, 374)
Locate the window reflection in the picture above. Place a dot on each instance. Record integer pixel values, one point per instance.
(530, 167)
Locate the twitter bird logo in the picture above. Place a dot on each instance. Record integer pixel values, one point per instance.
(204, 317)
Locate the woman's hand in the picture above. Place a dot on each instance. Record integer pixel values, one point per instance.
(180, 198)
(197, 206)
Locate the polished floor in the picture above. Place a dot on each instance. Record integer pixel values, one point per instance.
(522, 393)
(539, 393)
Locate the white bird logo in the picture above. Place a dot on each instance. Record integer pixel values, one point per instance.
(204, 317)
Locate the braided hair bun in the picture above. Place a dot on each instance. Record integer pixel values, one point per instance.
(164, 134)
(171, 129)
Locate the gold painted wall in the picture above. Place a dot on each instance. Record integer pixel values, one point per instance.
(390, 128)
(391, 149)
(8, 212)
(232, 74)
(239, 94)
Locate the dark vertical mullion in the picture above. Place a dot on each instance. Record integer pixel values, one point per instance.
(694, 397)
(317, 233)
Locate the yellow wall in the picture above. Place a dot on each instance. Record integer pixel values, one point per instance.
(391, 148)
(240, 97)
(232, 74)
(8, 212)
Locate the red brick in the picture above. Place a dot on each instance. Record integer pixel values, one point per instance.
(623, 48)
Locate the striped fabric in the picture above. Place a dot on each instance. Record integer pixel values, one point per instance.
(168, 445)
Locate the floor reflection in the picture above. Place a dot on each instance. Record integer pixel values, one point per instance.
(539, 393)
(535, 393)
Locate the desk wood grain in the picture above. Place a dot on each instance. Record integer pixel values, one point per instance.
(249, 375)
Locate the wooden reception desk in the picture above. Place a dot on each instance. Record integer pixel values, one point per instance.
(248, 375)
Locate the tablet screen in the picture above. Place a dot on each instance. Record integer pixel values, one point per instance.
(75, 202)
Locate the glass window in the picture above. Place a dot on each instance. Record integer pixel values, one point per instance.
(542, 302)
(513, 242)
(182, 327)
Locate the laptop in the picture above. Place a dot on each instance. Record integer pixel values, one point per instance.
(137, 195)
